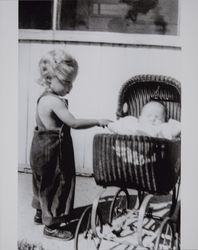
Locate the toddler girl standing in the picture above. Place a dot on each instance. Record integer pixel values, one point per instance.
(51, 155)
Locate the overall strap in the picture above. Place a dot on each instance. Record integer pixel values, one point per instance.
(65, 101)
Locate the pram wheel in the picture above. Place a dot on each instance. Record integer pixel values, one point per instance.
(85, 239)
(119, 205)
(165, 236)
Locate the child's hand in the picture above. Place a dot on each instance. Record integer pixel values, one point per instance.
(103, 122)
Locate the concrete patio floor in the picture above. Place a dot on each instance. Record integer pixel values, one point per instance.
(86, 192)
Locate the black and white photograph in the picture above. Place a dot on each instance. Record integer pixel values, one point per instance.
(99, 125)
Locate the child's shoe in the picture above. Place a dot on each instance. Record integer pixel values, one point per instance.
(57, 233)
(38, 217)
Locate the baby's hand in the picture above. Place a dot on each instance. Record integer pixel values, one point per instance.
(103, 122)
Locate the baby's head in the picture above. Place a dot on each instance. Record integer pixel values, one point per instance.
(57, 64)
(153, 113)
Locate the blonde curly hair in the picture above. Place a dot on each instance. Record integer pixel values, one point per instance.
(57, 63)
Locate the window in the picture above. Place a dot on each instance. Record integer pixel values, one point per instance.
(121, 16)
(35, 14)
(68, 19)
(101, 21)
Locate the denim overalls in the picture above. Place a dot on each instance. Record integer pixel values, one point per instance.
(53, 171)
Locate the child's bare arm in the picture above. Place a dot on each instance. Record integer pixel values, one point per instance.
(59, 108)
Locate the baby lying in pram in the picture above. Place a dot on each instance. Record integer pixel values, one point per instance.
(151, 122)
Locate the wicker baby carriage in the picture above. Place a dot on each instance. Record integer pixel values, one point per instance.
(149, 165)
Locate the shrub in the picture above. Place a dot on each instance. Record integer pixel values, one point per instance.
(24, 245)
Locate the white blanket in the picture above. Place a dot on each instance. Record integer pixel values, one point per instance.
(130, 125)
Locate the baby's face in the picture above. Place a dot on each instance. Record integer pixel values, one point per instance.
(153, 114)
